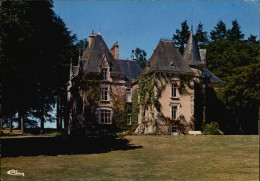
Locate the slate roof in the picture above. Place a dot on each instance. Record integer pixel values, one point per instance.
(130, 68)
(191, 54)
(94, 55)
(165, 55)
(213, 77)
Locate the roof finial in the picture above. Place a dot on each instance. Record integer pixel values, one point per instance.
(99, 31)
(191, 28)
(92, 32)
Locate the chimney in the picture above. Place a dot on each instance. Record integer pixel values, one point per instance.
(115, 50)
(91, 38)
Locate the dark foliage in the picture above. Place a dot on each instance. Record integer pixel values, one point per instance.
(201, 36)
(219, 32)
(35, 55)
(140, 57)
(235, 34)
(181, 37)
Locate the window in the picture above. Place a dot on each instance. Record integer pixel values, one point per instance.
(174, 112)
(104, 73)
(105, 117)
(104, 93)
(128, 119)
(174, 91)
(146, 113)
(174, 129)
(128, 95)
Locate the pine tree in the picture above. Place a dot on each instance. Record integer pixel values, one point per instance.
(140, 57)
(201, 36)
(235, 34)
(219, 32)
(252, 39)
(181, 37)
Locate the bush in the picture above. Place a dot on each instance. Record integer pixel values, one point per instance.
(211, 129)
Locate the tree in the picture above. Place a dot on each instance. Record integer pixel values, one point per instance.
(252, 39)
(35, 54)
(219, 32)
(181, 37)
(235, 34)
(81, 45)
(201, 36)
(140, 56)
(15, 29)
(238, 64)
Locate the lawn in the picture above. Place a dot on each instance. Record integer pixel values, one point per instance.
(135, 158)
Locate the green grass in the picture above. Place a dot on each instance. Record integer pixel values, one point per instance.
(159, 158)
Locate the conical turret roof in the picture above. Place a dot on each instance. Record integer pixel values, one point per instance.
(166, 57)
(191, 54)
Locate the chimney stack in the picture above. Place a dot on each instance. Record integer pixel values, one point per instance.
(115, 50)
(91, 38)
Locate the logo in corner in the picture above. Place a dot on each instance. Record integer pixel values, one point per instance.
(15, 172)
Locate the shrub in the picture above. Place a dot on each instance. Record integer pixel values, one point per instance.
(211, 128)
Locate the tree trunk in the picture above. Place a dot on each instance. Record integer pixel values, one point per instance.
(42, 120)
(11, 125)
(1, 119)
(58, 115)
(1, 125)
(258, 120)
(21, 122)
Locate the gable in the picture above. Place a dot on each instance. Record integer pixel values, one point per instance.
(94, 55)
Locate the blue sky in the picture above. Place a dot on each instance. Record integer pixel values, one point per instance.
(142, 23)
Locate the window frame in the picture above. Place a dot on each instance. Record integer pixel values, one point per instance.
(104, 94)
(174, 128)
(105, 116)
(176, 112)
(104, 74)
(129, 121)
(128, 94)
(174, 91)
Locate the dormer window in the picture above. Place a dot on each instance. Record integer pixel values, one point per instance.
(172, 64)
(104, 73)
(128, 95)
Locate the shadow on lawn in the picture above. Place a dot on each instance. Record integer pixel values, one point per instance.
(52, 146)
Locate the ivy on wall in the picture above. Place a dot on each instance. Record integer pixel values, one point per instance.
(151, 86)
(135, 110)
(86, 94)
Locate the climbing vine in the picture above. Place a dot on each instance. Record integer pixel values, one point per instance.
(85, 93)
(135, 109)
(151, 86)
(184, 83)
